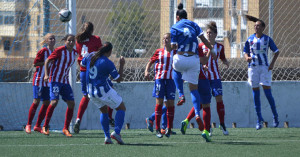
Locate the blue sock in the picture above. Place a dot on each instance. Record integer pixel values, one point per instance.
(152, 117)
(270, 98)
(196, 101)
(119, 120)
(177, 77)
(164, 122)
(105, 124)
(256, 97)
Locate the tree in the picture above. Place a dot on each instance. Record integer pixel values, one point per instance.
(126, 21)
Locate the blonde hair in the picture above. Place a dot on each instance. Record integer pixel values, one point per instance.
(45, 38)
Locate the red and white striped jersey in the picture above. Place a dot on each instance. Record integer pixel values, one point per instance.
(38, 76)
(163, 63)
(213, 69)
(90, 45)
(63, 60)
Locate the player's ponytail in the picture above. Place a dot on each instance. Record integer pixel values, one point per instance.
(46, 38)
(212, 26)
(254, 19)
(86, 31)
(107, 47)
(181, 13)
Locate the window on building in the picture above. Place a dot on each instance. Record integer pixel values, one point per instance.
(6, 45)
(17, 45)
(38, 46)
(38, 21)
(28, 46)
(9, 20)
(245, 5)
(1, 20)
(82, 19)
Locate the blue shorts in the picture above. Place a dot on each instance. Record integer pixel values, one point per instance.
(164, 88)
(42, 93)
(62, 89)
(83, 82)
(204, 91)
(216, 87)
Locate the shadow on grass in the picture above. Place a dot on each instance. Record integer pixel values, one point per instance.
(145, 144)
(242, 143)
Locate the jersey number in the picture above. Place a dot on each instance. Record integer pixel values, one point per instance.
(84, 50)
(186, 32)
(93, 72)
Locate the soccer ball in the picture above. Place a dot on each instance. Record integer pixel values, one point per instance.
(65, 15)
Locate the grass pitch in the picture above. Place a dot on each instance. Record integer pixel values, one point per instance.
(271, 142)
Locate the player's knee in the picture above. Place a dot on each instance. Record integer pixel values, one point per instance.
(205, 105)
(36, 101)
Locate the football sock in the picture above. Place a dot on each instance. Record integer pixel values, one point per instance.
(68, 117)
(221, 111)
(158, 112)
(170, 116)
(49, 115)
(152, 117)
(31, 113)
(105, 124)
(82, 107)
(200, 123)
(110, 111)
(206, 118)
(164, 120)
(256, 97)
(177, 77)
(41, 115)
(270, 98)
(119, 121)
(191, 114)
(196, 101)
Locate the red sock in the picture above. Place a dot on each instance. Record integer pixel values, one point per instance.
(82, 107)
(191, 115)
(68, 118)
(49, 115)
(200, 123)
(158, 112)
(110, 111)
(41, 115)
(31, 113)
(221, 111)
(170, 116)
(206, 118)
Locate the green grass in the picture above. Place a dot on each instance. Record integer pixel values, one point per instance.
(271, 142)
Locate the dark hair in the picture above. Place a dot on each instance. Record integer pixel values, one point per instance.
(66, 37)
(254, 19)
(107, 47)
(181, 12)
(212, 26)
(86, 31)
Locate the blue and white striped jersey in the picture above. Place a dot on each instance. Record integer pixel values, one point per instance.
(98, 75)
(258, 48)
(184, 33)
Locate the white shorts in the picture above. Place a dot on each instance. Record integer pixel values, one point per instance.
(188, 66)
(259, 75)
(111, 99)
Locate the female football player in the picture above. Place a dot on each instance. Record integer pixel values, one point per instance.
(184, 38)
(40, 87)
(164, 85)
(62, 60)
(99, 67)
(259, 69)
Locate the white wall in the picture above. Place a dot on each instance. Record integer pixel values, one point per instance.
(16, 99)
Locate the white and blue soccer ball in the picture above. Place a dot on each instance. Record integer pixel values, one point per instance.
(65, 15)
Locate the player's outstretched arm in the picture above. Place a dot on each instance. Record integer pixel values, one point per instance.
(122, 63)
(207, 44)
(147, 77)
(46, 66)
(273, 61)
